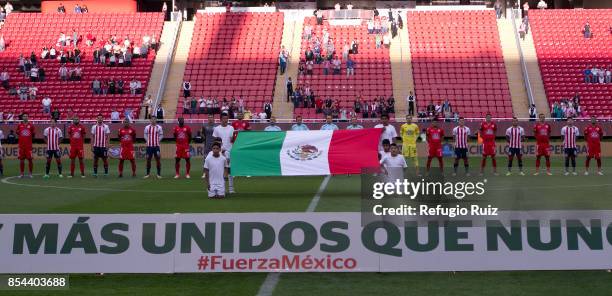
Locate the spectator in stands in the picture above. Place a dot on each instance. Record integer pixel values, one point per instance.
(76, 73)
(115, 116)
(46, 104)
(193, 105)
(128, 58)
(96, 86)
(77, 55)
(391, 104)
(289, 85)
(63, 72)
(608, 76)
(542, 5)
(8, 8)
(329, 125)
(350, 67)
(299, 126)
(525, 9)
(336, 64)
(386, 40)
(2, 43)
(586, 30)
(533, 113)
(23, 92)
(148, 106)
(61, 9)
(588, 75)
(370, 27)
(34, 73)
(89, 39)
(2, 16)
(4, 78)
(134, 87)
(308, 32)
(601, 76)
(77, 8)
(56, 114)
(119, 86)
(154, 42)
(111, 86)
(498, 8)
(309, 54)
(112, 60)
(186, 106)
(61, 40)
(52, 53)
(522, 30)
(595, 74)
(186, 89)
(159, 113)
(96, 55)
(268, 109)
(45, 53)
(447, 109)
(354, 124)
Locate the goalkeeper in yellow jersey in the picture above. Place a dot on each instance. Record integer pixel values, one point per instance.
(409, 132)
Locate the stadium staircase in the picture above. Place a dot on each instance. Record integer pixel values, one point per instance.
(456, 55)
(161, 60)
(75, 95)
(514, 72)
(563, 54)
(174, 84)
(401, 70)
(292, 40)
(234, 55)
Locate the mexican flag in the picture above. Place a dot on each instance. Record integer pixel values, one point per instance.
(300, 153)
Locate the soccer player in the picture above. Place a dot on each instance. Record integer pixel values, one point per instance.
(240, 125)
(99, 139)
(1, 154)
(593, 134)
(393, 164)
(434, 141)
(127, 136)
(569, 133)
(461, 133)
(25, 131)
(409, 132)
(182, 134)
(515, 135)
(542, 131)
(215, 170)
(487, 131)
(153, 134)
(76, 132)
(226, 133)
(53, 136)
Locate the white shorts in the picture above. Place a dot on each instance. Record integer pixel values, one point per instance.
(216, 190)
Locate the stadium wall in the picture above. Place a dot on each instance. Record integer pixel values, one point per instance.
(93, 6)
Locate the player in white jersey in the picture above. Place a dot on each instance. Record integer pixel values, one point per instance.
(1, 154)
(153, 134)
(99, 141)
(569, 133)
(53, 137)
(225, 132)
(393, 164)
(461, 134)
(215, 171)
(515, 136)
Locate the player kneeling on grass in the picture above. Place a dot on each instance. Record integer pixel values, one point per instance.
(215, 171)
(127, 136)
(182, 134)
(593, 134)
(53, 136)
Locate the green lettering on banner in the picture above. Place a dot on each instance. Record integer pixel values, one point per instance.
(122, 242)
(534, 239)
(247, 245)
(227, 237)
(342, 241)
(512, 239)
(452, 235)
(79, 237)
(148, 238)
(392, 239)
(25, 233)
(285, 237)
(190, 231)
(593, 238)
(411, 236)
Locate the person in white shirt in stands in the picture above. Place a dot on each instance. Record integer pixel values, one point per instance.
(393, 164)
(46, 103)
(115, 116)
(63, 73)
(225, 132)
(8, 8)
(542, 5)
(215, 171)
(608, 76)
(388, 132)
(349, 6)
(337, 6)
(272, 127)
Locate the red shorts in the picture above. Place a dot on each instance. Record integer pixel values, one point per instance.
(435, 151)
(488, 149)
(127, 154)
(594, 151)
(25, 153)
(76, 152)
(182, 152)
(543, 150)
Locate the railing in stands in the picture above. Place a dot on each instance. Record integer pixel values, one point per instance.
(167, 65)
(522, 59)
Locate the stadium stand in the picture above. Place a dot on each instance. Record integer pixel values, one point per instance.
(564, 54)
(456, 55)
(234, 55)
(29, 33)
(372, 77)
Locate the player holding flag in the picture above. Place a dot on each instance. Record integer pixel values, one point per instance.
(127, 136)
(434, 141)
(593, 134)
(153, 134)
(542, 131)
(99, 139)
(409, 132)
(461, 134)
(25, 131)
(488, 130)
(182, 134)
(569, 134)
(76, 133)
(53, 136)
(515, 135)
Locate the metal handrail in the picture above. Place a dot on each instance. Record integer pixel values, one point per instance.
(167, 65)
(522, 59)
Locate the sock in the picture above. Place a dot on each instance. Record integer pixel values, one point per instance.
(574, 163)
(105, 162)
(120, 167)
(177, 166)
(59, 165)
(455, 165)
(230, 181)
(133, 167)
(82, 166)
(72, 167)
(466, 165)
(520, 162)
(428, 163)
(21, 166)
(188, 165)
(48, 166)
(148, 165)
(547, 163)
(566, 163)
(441, 164)
(158, 164)
(494, 162)
(510, 160)
(30, 166)
(483, 163)
(537, 163)
(587, 163)
(1, 168)
(95, 166)
(598, 159)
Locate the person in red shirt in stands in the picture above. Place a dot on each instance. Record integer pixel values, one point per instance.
(593, 134)
(182, 134)
(240, 125)
(25, 132)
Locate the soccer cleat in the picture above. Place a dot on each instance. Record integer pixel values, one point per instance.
(231, 191)
(146, 177)
(30, 176)
(21, 177)
(521, 173)
(177, 177)
(566, 174)
(120, 176)
(586, 173)
(187, 176)
(203, 176)
(575, 174)
(133, 175)
(46, 177)
(95, 175)
(61, 176)
(82, 176)
(549, 173)
(159, 177)
(495, 174)
(70, 176)
(600, 173)
(536, 173)
(509, 174)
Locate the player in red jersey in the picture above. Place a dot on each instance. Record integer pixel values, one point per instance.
(76, 133)
(240, 125)
(434, 141)
(487, 131)
(182, 134)
(127, 136)
(26, 132)
(542, 131)
(593, 134)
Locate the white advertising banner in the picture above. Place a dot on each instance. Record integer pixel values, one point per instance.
(301, 242)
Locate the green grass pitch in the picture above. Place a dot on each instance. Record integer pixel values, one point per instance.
(294, 194)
